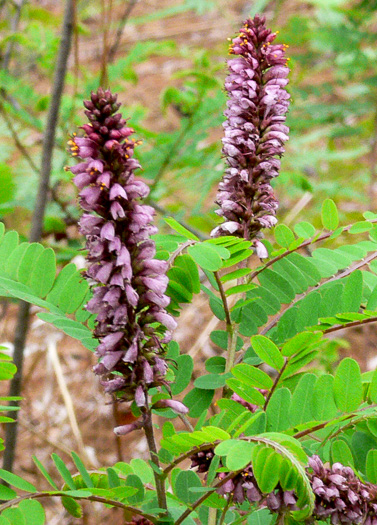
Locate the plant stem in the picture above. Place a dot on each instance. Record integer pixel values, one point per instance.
(38, 217)
(160, 481)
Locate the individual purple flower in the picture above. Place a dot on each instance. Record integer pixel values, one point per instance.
(128, 284)
(254, 132)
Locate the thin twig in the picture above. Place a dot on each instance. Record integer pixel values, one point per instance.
(38, 216)
(122, 24)
(277, 379)
(106, 501)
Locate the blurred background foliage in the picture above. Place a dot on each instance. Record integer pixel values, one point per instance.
(167, 61)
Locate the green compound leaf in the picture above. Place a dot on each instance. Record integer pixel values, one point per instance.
(348, 390)
(329, 215)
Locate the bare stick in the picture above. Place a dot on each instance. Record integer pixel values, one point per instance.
(38, 216)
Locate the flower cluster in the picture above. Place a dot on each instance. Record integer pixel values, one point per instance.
(128, 283)
(341, 496)
(254, 131)
(243, 486)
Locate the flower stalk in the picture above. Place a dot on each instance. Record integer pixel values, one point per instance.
(255, 132)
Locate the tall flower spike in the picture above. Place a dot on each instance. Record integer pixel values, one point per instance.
(254, 132)
(128, 283)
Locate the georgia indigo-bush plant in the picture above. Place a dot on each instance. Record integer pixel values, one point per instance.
(265, 434)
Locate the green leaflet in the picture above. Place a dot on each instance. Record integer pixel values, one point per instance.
(198, 400)
(329, 215)
(304, 229)
(277, 285)
(239, 455)
(14, 516)
(300, 409)
(323, 403)
(185, 365)
(371, 466)
(278, 410)
(267, 351)
(266, 467)
(341, 452)
(63, 471)
(205, 256)
(180, 229)
(33, 512)
(283, 235)
(184, 482)
(348, 391)
(252, 376)
(352, 293)
(16, 481)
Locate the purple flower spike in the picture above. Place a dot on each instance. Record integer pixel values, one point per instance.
(128, 284)
(254, 132)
